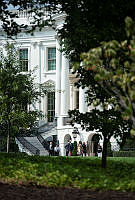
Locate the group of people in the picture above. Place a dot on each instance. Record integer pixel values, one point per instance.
(54, 150)
(82, 149)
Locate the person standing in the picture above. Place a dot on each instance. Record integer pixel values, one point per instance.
(87, 149)
(79, 149)
(70, 147)
(51, 149)
(56, 150)
(67, 148)
(84, 149)
(99, 150)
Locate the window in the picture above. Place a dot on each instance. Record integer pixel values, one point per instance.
(77, 99)
(51, 106)
(1, 54)
(24, 59)
(51, 58)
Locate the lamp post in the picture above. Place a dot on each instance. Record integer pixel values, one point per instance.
(75, 132)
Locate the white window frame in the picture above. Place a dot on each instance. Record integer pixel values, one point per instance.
(26, 47)
(49, 47)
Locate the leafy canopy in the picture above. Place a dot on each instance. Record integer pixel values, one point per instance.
(17, 91)
(112, 65)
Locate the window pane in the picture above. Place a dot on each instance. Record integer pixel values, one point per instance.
(51, 53)
(51, 64)
(51, 58)
(24, 59)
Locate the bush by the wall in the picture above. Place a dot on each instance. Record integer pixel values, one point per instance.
(74, 152)
(124, 154)
(109, 151)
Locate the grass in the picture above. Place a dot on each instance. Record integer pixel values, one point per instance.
(77, 172)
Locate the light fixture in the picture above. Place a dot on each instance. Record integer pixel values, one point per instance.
(75, 132)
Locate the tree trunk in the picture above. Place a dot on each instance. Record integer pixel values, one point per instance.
(104, 153)
(8, 136)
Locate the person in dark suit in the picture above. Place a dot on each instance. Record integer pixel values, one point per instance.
(67, 148)
(84, 149)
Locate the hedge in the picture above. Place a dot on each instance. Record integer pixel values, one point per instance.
(124, 154)
(74, 152)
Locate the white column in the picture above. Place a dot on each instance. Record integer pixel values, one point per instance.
(82, 100)
(34, 58)
(64, 86)
(45, 108)
(75, 98)
(58, 80)
(34, 62)
(71, 97)
(39, 69)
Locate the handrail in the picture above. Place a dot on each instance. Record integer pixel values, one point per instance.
(43, 142)
(28, 145)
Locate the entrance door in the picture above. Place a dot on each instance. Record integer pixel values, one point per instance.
(66, 139)
(93, 141)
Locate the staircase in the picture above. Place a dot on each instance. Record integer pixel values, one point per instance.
(27, 147)
(36, 143)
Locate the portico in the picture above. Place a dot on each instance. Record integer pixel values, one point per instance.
(67, 96)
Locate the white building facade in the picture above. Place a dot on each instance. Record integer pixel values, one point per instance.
(41, 52)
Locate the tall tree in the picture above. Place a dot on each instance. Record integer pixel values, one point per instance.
(87, 22)
(112, 65)
(107, 122)
(83, 29)
(108, 73)
(17, 93)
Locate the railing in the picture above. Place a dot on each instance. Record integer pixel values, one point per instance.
(128, 149)
(28, 146)
(27, 13)
(43, 142)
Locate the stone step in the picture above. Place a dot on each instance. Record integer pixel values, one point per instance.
(35, 142)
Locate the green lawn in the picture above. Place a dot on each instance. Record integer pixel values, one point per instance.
(69, 171)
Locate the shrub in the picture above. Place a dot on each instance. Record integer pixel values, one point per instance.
(74, 153)
(109, 151)
(124, 154)
(78, 172)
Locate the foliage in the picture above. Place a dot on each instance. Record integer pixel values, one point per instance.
(124, 154)
(129, 143)
(35, 8)
(68, 172)
(108, 122)
(112, 65)
(82, 30)
(17, 93)
(108, 73)
(89, 29)
(109, 151)
(74, 152)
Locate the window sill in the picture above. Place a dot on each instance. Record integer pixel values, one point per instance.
(50, 72)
